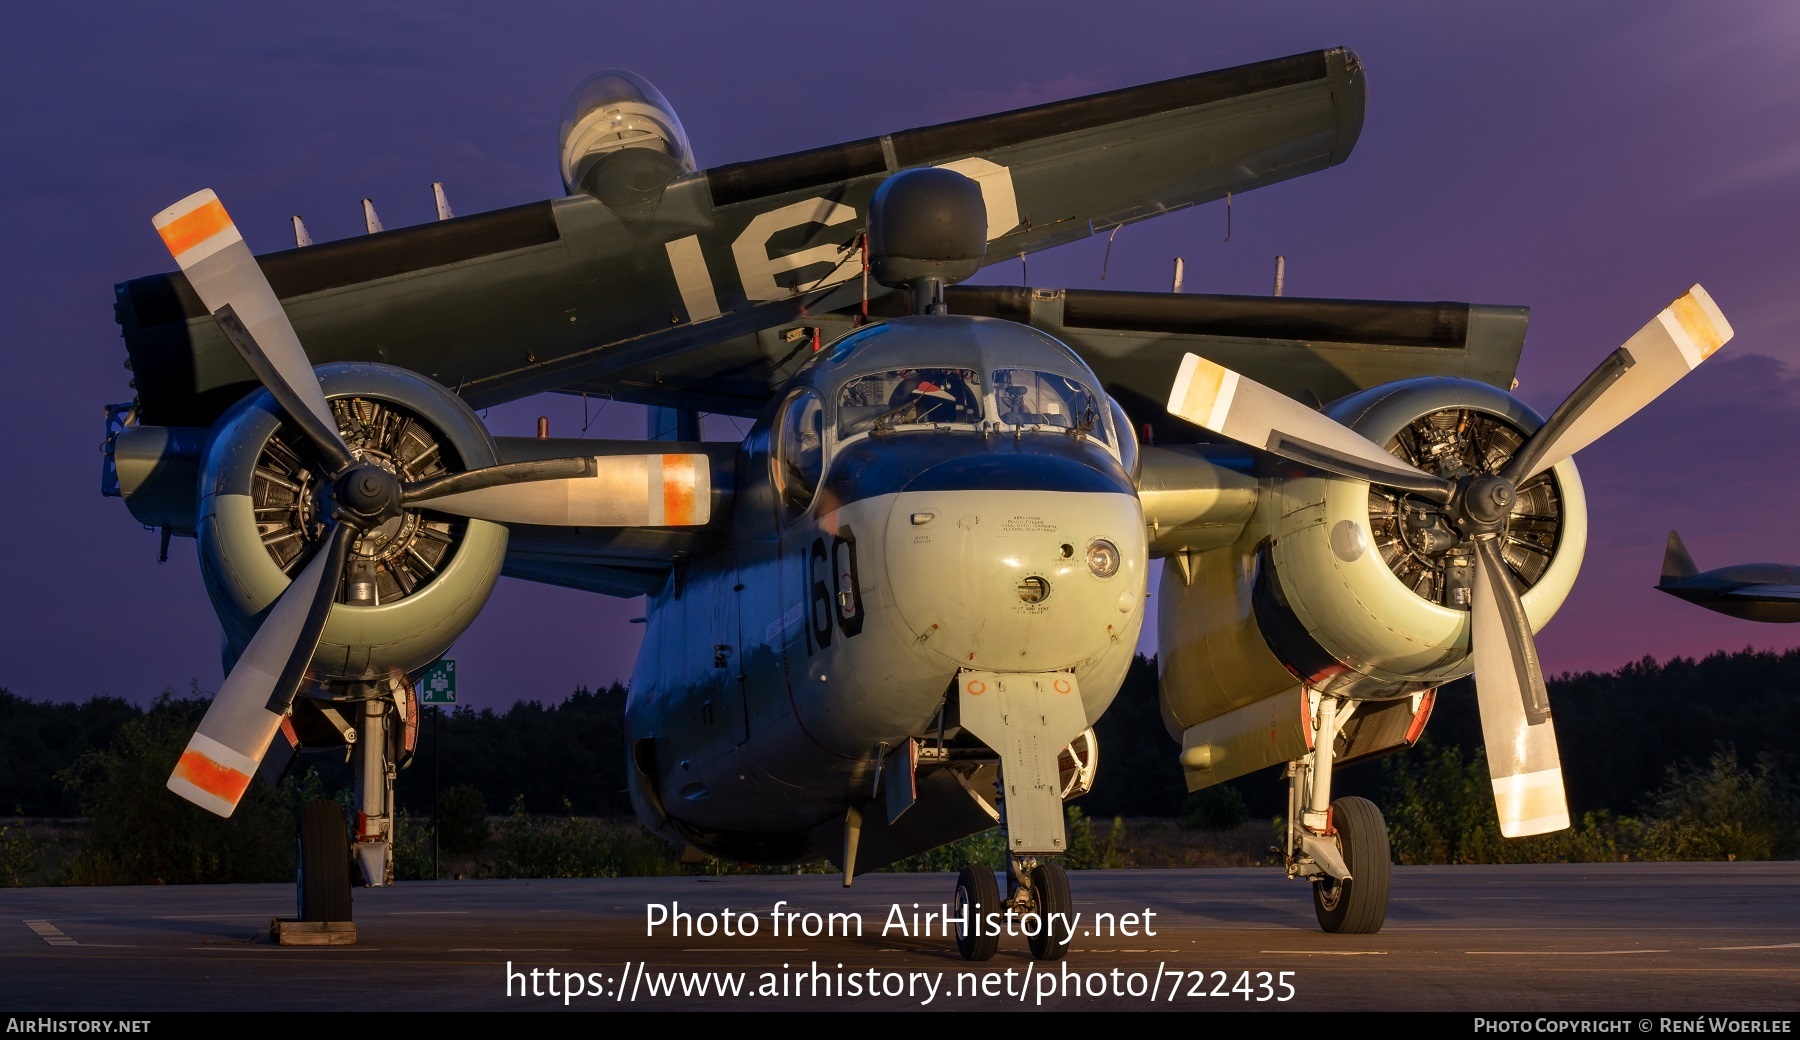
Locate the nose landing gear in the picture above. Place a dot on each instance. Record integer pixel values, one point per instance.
(1038, 905)
(1030, 721)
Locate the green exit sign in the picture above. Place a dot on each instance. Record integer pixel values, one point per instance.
(438, 684)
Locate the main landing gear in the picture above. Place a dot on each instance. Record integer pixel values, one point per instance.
(1340, 846)
(377, 726)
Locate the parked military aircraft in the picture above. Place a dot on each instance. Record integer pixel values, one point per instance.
(891, 615)
(1752, 591)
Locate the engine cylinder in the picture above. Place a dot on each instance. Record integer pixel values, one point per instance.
(413, 585)
(1360, 591)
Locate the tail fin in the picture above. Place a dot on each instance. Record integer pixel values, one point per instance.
(1677, 564)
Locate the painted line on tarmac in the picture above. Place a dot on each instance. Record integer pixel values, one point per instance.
(1557, 952)
(50, 933)
(1330, 953)
(1777, 946)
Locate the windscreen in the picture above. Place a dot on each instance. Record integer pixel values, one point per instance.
(909, 397)
(1027, 397)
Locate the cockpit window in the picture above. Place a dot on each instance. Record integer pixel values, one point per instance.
(799, 455)
(1025, 397)
(909, 397)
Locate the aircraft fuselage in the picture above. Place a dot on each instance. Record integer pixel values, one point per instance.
(777, 668)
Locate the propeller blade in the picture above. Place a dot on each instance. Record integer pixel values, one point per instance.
(1670, 346)
(230, 284)
(223, 754)
(1515, 710)
(604, 491)
(1216, 398)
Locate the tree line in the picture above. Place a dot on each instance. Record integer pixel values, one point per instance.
(1620, 733)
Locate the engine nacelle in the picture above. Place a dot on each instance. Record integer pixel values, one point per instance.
(1360, 591)
(621, 141)
(413, 585)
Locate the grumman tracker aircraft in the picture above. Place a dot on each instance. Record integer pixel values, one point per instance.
(1767, 592)
(890, 617)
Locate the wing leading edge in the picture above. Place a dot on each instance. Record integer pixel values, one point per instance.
(555, 294)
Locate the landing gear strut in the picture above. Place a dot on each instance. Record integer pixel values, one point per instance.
(334, 852)
(1031, 721)
(1037, 898)
(1340, 846)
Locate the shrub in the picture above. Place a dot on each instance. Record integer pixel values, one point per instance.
(141, 833)
(1217, 808)
(1087, 852)
(576, 847)
(1721, 811)
(462, 821)
(19, 857)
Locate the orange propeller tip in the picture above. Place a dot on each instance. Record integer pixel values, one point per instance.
(196, 228)
(1202, 392)
(184, 207)
(1702, 320)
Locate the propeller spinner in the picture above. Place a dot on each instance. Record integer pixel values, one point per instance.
(361, 494)
(1521, 747)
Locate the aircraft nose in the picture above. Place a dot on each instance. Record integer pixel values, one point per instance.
(1005, 473)
(1017, 578)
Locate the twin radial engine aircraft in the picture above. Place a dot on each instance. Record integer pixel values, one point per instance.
(889, 617)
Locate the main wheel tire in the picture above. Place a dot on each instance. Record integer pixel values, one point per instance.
(977, 893)
(324, 880)
(1357, 906)
(1055, 910)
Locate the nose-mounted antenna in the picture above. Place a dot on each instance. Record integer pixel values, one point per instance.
(927, 230)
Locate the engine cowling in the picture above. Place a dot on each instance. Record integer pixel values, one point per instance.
(413, 585)
(1356, 590)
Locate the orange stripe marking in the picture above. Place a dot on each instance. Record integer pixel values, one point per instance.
(211, 777)
(194, 227)
(1699, 325)
(678, 490)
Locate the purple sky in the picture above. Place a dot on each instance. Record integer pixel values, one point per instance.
(1590, 161)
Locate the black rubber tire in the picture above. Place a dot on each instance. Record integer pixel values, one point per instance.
(324, 867)
(1357, 906)
(1050, 891)
(977, 893)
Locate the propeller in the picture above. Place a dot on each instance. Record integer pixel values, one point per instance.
(363, 494)
(1515, 710)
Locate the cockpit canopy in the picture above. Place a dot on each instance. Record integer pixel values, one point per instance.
(936, 373)
(959, 372)
(613, 110)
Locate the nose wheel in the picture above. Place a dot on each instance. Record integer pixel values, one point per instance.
(977, 896)
(1050, 919)
(1038, 905)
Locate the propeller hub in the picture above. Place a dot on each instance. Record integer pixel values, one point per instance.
(1486, 501)
(369, 494)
